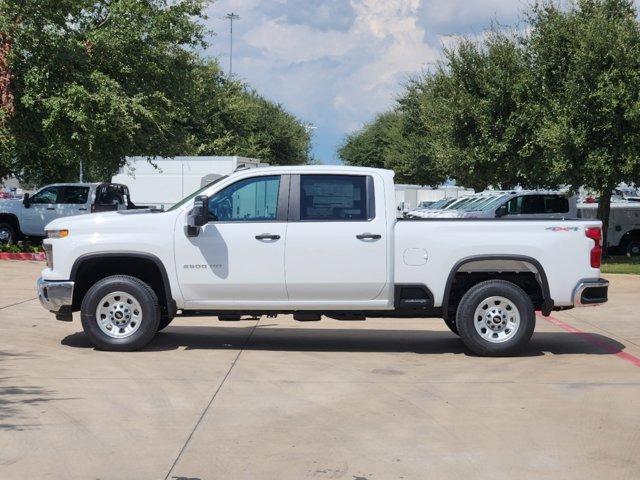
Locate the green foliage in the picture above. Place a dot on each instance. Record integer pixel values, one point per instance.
(97, 81)
(100, 80)
(227, 118)
(585, 66)
(392, 142)
(556, 104)
(21, 247)
(621, 264)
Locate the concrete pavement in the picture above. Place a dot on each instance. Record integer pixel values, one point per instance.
(278, 399)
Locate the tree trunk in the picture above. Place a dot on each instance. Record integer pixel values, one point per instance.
(604, 211)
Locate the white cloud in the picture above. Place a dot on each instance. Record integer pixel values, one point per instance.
(339, 74)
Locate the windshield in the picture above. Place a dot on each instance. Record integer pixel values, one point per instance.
(459, 203)
(480, 204)
(492, 203)
(195, 194)
(438, 204)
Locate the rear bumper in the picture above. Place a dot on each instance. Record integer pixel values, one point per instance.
(591, 292)
(54, 295)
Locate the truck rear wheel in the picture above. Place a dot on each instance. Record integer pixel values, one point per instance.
(164, 322)
(120, 313)
(495, 318)
(633, 248)
(451, 325)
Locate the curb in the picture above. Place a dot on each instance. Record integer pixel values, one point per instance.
(22, 256)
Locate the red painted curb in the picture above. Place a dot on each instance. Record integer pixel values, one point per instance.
(593, 340)
(22, 256)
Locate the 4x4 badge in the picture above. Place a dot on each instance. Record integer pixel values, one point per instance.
(563, 229)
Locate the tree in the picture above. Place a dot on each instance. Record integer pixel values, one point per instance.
(558, 104)
(228, 118)
(391, 141)
(95, 81)
(477, 115)
(585, 65)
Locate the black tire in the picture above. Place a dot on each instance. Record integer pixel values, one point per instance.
(8, 233)
(633, 248)
(164, 322)
(451, 324)
(466, 318)
(142, 293)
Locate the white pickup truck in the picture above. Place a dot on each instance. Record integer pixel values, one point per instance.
(30, 215)
(312, 241)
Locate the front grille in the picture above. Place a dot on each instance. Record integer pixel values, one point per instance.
(48, 252)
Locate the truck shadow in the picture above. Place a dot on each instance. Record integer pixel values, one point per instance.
(351, 340)
(19, 403)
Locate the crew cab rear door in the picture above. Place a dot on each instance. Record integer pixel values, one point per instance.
(336, 238)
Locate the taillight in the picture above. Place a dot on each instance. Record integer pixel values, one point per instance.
(595, 234)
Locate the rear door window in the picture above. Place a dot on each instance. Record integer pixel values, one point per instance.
(75, 195)
(538, 204)
(556, 204)
(336, 198)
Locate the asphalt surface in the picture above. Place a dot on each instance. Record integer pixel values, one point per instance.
(277, 399)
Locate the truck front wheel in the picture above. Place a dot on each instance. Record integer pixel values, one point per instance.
(8, 233)
(495, 318)
(120, 313)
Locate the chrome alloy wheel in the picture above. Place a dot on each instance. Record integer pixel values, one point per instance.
(497, 319)
(5, 235)
(119, 314)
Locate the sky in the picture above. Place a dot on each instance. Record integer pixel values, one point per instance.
(337, 63)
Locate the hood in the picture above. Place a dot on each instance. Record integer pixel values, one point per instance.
(10, 205)
(110, 222)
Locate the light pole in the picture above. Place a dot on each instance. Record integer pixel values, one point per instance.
(231, 17)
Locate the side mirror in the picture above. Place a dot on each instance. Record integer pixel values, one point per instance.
(197, 216)
(25, 201)
(501, 211)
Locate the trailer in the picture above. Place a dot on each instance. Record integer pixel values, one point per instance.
(162, 182)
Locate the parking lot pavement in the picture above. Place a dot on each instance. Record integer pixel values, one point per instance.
(278, 399)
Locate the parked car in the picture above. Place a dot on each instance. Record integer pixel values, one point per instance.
(507, 204)
(313, 241)
(28, 216)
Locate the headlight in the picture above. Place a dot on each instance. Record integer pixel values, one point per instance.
(57, 233)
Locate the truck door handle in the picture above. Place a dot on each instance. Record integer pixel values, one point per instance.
(267, 236)
(51, 208)
(368, 236)
(82, 208)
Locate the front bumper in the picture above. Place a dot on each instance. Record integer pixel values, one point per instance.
(55, 295)
(591, 292)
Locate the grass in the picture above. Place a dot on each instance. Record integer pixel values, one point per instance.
(621, 264)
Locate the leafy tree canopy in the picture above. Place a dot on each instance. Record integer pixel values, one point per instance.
(100, 80)
(555, 103)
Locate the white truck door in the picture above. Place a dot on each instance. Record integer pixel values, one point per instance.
(43, 208)
(238, 257)
(337, 238)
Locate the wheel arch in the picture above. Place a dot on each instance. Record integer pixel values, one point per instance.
(89, 268)
(487, 260)
(11, 218)
(629, 236)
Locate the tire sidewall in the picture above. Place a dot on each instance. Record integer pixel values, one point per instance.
(148, 303)
(12, 233)
(465, 318)
(632, 244)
